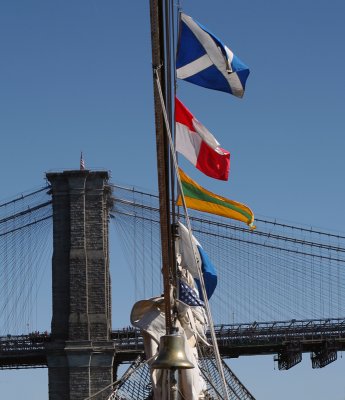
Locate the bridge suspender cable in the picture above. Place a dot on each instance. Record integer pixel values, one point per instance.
(22, 197)
(265, 221)
(250, 242)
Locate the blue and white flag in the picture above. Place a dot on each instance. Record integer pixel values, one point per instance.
(204, 60)
(192, 254)
(209, 274)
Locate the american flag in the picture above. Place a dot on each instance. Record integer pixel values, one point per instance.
(189, 295)
(82, 163)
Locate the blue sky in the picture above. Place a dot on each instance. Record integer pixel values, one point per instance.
(76, 75)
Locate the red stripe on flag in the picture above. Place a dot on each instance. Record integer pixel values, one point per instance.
(212, 163)
(183, 115)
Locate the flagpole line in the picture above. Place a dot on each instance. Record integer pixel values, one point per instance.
(169, 94)
(162, 149)
(174, 29)
(203, 288)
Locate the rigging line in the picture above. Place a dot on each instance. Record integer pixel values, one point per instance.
(162, 150)
(25, 196)
(210, 381)
(257, 219)
(169, 92)
(132, 189)
(28, 211)
(243, 240)
(289, 251)
(256, 317)
(24, 226)
(271, 235)
(237, 228)
(134, 216)
(174, 30)
(272, 247)
(206, 354)
(102, 390)
(310, 230)
(207, 306)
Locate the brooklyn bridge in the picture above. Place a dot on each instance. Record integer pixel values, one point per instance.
(280, 289)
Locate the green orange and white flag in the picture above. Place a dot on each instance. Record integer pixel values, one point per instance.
(200, 199)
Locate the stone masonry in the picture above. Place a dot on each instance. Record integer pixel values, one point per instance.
(81, 354)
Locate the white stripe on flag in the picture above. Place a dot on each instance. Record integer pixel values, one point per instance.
(236, 85)
(187, 143)
(207, 42)
(194, 67)
(229, 53)
(234, 82)
(205, 134)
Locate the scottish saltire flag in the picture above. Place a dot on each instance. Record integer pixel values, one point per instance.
(189, 251)
(204, 60)
(198, 145)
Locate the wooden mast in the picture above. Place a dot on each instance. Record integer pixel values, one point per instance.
(159, 61)
(161, 64)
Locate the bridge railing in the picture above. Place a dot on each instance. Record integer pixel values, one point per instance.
(289, 339)
(234, 334)
(128, 339)
(23, 343)
(278, 331)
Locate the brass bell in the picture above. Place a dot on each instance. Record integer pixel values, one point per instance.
(172, 353)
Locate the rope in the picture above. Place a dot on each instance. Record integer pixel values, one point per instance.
(102, 390)
(201, 279)
(259, 277)
(22, 197)
(252, 233)
(28, 211)
(25, 249)
(264, 221)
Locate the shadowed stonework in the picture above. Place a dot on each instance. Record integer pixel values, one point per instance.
(81, 353)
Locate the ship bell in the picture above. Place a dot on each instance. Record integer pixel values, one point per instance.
(172, 353)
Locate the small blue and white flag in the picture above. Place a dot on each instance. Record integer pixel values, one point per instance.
(193, 254)
(204, 60)
(209, 274)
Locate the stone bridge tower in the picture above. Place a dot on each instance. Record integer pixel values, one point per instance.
(81, 354)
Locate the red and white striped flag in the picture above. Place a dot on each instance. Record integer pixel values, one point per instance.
(198, 145)
(82, 162)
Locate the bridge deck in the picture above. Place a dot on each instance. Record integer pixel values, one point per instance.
(288, 339)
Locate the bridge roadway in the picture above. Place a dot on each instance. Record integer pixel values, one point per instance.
(323, 338)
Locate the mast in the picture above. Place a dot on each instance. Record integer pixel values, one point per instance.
(161, 64)
(162, 70)
(166, 161)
